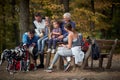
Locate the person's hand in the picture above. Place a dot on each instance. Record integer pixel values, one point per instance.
(41, 35)
(60, 45)
(60, 37)
(53, 36)
(33, 44)
(43, 31)
(53, 32)
(25, 47)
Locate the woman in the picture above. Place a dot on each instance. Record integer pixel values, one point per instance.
(65, 50)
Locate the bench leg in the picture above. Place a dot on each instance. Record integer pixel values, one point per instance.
(74, 65)
(91, 63)
(85, 63)
(100, 62)
(109, 62)
(48, 56)
(60, 63)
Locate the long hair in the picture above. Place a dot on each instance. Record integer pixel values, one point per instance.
(68, 26)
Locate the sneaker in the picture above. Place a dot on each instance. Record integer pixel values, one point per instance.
(35, 68)
(40, 66)
(66, 67)
(49, 50)
(49, 70)
(53, 51)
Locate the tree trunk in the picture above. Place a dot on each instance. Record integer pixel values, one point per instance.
(116, 20)
(92, 23)
(13, 3)
(4, 29)
(24, 17)
(60, 1)
(66, 5)
(92, 6)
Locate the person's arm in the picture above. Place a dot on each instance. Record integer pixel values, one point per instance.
(46, 32)
(36, 29)
(24, 39)
(65, 35)
(69, 45)
(34, 26)
(57, 33)
(73, 25)
(34, 40)
(70, 39)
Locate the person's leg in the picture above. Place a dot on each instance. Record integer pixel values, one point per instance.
(49, 45)
(39, 44)
(42, 54)
(35, 57)
(65, 52)
(41, 61)
(43, 44)
(55, 43)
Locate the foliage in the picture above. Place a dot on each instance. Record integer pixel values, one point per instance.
(47, 8)
(8, 24)
(106, 18)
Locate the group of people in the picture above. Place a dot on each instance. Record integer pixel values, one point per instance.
(50, 32)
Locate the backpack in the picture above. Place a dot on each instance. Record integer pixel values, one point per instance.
(95, 51)
(85, 46)
(84, 43)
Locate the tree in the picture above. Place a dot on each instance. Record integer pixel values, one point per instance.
(92, 23)
(66, 5)
(24, 17)
(3, 32)
(14, 24)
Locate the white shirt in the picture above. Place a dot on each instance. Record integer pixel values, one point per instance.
(78, 54)
(39, 26)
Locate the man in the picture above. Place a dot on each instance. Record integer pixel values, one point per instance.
(29, 40)
(39, 25)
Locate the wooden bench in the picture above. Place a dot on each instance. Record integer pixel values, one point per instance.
(107, 48)
(60, 65)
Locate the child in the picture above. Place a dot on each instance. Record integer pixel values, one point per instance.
(56, 32)
(41, 43)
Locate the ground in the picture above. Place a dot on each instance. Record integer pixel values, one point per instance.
(79, 74)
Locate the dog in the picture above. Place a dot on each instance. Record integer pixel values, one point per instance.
(6, 55)
(13, 56)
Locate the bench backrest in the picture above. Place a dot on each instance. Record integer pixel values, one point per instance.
(106, 46)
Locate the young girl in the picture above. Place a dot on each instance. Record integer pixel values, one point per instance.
(56, 32)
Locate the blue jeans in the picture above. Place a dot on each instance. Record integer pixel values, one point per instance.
(41, 43)
(53, 42)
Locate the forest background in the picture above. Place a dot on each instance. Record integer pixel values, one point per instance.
(97, 18)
